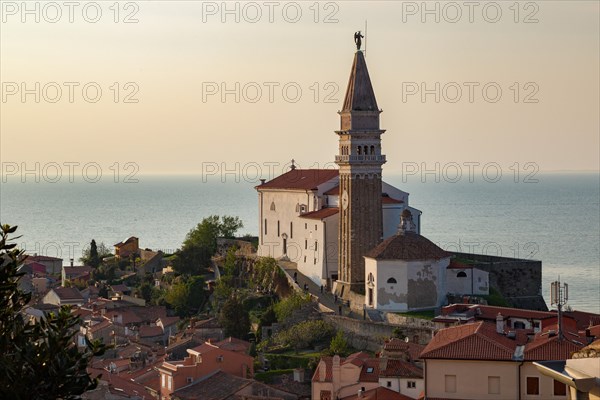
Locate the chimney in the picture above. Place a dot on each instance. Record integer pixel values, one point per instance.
(336, 370)
(262, 181)
(500, 324)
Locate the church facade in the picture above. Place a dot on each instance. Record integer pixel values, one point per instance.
(327, 220)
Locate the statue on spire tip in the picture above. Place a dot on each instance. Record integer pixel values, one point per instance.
(357, 39)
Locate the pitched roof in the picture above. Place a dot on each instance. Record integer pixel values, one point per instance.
(400, 368)
(475, 341)
(150, 331)
(379, 393)
(125, 241)
(359, 93)
(408, 246)
(234, 344)
(398, 345)
(321, 214)
(300, 179)
(68, 293)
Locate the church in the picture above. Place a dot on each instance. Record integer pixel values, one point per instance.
(333, 222)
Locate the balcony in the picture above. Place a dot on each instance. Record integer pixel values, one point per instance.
(363, 158)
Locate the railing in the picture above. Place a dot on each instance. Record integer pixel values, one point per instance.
(360, 158)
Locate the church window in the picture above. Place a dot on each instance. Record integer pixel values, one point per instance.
(305, 259)
(392, 280)
(272, 206)
(315, 261)
(461, 274)
(316, 247)
(359, 149)
(278, 231)
(366, 150)
(305, 225)
(265, 226)
(305, 244)
(372, 149)
(315, 227)
(291, 230)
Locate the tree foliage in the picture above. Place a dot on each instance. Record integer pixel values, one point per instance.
(93, 254)
(187, 296)
(234, 318)
(38, 359)
(305, 334)
(200, 243)
(339, 344)
(286, 307)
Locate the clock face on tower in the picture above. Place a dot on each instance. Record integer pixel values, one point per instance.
(345, 199)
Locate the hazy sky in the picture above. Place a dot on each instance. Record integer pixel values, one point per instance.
(178, 57)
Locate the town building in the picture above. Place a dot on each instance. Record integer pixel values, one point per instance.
(483, 360)
(200, 362)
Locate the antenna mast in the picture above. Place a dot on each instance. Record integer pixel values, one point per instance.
(559, 296)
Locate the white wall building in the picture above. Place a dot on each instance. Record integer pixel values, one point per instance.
(299, 218)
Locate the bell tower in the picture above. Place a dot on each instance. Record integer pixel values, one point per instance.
(360, 163)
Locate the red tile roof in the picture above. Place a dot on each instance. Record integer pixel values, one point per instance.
(300, 179)
(480, 341)
(398, 345)
(233, 344)
(68, 293)
(379, 393)
(42, 258)
(321, 214)
(150, 331)
(475, 341)
(370, 370)
(409, 246)
(401, 368)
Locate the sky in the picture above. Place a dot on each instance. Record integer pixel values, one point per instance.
(191, 87)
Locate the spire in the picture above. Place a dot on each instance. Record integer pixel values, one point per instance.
(359, 94)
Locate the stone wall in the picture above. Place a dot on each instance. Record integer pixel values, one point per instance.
(519, 281)
(367, 335)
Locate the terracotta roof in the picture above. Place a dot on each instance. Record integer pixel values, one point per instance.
(128, 240)
(100, 325)
(458, 265)
(398, 345)
(480, 341)
(379, 393)
(321, 214)
(408, 246)
(359, 93)
(150, 331)
(234, 344)
(221, 385)
(119, 288)
(401, 368)
(583, 319)
(300, 179)
(334, 191)
(546, 346)
(370, 370)
(68, 293)
(475, 341)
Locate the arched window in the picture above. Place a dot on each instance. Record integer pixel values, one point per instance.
(392, 280)
(461, 274)
(366, 150)
(359, 149)
(372, 149)
(273, 206)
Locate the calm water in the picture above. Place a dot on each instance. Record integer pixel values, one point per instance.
(556, 220)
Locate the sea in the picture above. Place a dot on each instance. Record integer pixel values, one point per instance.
(554, 218)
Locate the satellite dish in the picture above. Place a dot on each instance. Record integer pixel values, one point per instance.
(406, 339)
